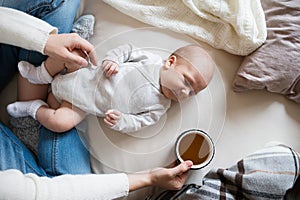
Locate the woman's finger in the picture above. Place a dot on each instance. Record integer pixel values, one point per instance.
(182, 168)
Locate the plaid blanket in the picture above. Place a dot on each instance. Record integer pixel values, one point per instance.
(265, 174)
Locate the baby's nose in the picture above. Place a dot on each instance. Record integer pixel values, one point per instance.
(184, 93)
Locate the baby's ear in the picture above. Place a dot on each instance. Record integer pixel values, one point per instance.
(170, 62)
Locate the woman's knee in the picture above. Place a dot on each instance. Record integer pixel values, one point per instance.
(63, 153)
(62, 15)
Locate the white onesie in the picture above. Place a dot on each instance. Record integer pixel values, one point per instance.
(134, 90)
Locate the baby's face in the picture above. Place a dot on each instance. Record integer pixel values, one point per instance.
(181, 81)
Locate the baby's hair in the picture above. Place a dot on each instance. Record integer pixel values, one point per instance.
(190, 51)
(182, 50)
(197, 57)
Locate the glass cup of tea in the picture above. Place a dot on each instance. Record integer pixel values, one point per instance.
(195, 145)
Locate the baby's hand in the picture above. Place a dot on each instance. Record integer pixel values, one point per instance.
(110, 67)
(112, 117)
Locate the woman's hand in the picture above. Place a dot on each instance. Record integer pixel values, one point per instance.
(55, 66)
(172, 178)
(168, 178)
(60, 46)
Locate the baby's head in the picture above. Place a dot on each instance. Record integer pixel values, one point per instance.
(187, 71)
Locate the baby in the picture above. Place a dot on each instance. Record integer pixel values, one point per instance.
(132, 89)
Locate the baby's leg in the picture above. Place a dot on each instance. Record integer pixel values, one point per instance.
(60, 120)
(28, 91)
(35, 75)
(42, 74)
(25, 108)
(28, 88)
(52, 101)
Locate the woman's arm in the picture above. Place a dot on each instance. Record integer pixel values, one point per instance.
(20, 29)
(92, 186)
(15, 185)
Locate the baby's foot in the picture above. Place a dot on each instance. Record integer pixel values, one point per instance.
(84, 26)
(35, 75)
(25, 108)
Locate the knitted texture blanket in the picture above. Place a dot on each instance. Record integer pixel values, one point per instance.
(236, 26)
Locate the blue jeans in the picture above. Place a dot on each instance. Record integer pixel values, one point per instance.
(62, 153)
(58, 154)
(58, 13)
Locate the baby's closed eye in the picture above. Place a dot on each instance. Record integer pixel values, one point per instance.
(192, 93)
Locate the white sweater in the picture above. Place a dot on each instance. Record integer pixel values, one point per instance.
(22, 30)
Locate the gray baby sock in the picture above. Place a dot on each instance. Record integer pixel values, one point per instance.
(35, 75)
(84, 26)
(25, 108)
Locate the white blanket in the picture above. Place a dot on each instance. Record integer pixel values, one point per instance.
(236, 26)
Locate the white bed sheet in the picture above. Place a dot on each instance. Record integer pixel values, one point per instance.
(240, 122)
